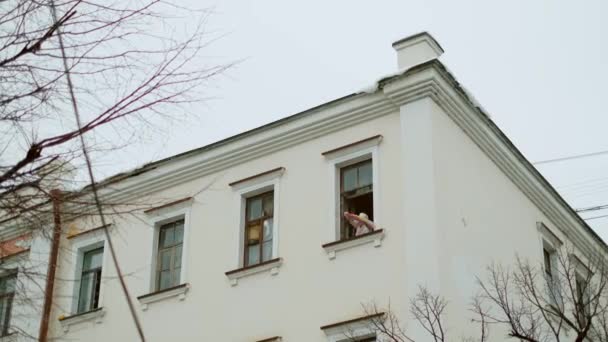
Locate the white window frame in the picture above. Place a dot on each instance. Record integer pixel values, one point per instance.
(158, 218)
(550, 242)
(344, 157)
(250, 188)
(79, 246)
(10, 264)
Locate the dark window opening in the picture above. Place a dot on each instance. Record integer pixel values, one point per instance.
(582, 300)
(356, 194)
(548, 266)
(90, 280)
(259, 219)
(7, 293)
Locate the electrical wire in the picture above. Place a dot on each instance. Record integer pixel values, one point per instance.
(92, 179)
(578, 156)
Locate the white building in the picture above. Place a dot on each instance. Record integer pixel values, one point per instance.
(243, 240)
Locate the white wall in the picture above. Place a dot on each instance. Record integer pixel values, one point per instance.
(447, 210)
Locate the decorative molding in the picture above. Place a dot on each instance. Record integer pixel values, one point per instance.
(260, 177)
(86, 232)
(272, 265)
(167, 205)
(360, 327)
(95, 315)
(374, 237)
(548, 234)
(361, 144)
(272, 339)
(178, 291)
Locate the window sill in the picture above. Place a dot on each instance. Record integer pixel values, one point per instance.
(272, 265)
(178, 291)
(374, 237)
(94, 315)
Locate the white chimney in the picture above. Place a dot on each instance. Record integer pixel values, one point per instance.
(416, 49)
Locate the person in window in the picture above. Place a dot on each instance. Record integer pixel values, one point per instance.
(361, 223)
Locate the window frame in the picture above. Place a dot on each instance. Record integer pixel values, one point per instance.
(174, 211)
(6, 325)
(367, 150)
(250, 187)
(97, 283)
(172, 248)
(550, 244)
(344, 234)
(80, 245)
(261, 219)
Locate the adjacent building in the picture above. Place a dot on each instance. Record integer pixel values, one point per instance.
(245, 239)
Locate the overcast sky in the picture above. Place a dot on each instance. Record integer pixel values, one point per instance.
(538, 67)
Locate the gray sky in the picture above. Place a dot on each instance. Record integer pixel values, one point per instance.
(539, 68)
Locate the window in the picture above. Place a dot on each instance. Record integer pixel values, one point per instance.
(582, 300)
(547, 255)
(259, 219)
(90, 280)
(169, 261)
(356, 194)
(7, 293)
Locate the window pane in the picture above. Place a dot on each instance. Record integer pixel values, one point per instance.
(268, 223)
(365, 174)
(167, 236)
(165, 260)
(177, 260)
(269, 205)
(179, 232)
(254, 206)
(86, 291)
(92, 259)
(254, 234)
(267, 250)
(349, 180)
(253, 254)
(5, 311)
(165, 280)
(7, 284)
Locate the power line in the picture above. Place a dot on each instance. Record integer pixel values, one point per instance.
(595, 217)
(595, 208)
(578, 156)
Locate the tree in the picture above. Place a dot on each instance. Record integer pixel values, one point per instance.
(563, 299)
(71, 69)
(122, 71)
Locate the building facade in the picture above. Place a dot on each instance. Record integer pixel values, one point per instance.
(245, 239)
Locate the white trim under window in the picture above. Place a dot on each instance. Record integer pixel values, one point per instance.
(349, 155)
(268, 181)
(158, 218)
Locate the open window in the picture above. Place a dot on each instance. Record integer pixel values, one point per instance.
(356, 194)
(90, 280)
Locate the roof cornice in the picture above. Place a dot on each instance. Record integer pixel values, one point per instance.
(442, 87)
(430, 79)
